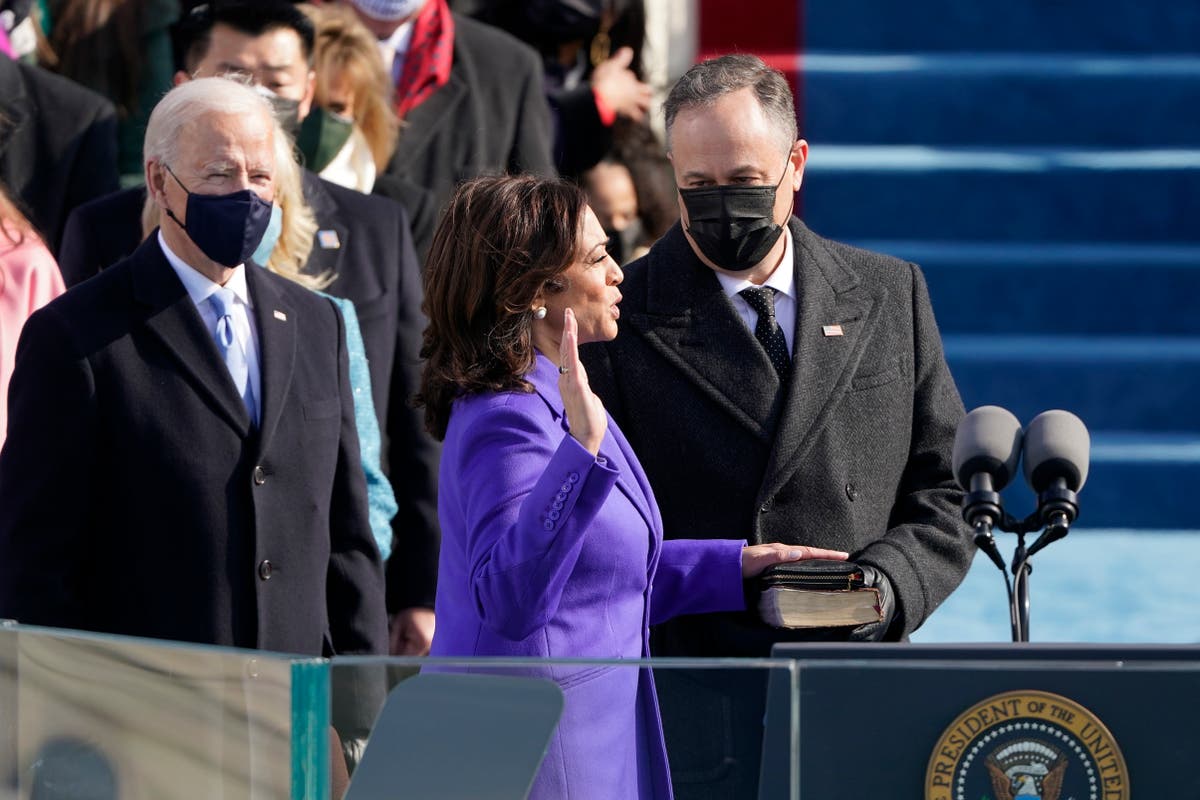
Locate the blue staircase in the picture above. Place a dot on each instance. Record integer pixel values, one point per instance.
(1040, 159)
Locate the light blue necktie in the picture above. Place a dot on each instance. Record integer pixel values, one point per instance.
(224, 301)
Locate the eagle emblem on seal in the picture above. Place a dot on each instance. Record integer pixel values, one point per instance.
(1026, 770)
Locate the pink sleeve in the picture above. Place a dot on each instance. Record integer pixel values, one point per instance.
(45, 280)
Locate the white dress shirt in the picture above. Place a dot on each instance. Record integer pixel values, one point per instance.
(200, 288)
(394, 49)
(782, 280)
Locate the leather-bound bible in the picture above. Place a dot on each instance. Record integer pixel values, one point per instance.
(817, 594)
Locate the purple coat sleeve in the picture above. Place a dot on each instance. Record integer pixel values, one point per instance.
(697, 576)
(526, 521)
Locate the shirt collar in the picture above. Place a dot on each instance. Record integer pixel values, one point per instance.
(199, 287)
(782, 280)
(399, 40)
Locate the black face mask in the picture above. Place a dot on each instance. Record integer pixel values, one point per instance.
(733, 226)
(226, 227)
(285, 110)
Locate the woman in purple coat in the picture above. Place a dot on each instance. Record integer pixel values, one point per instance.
(552, 543)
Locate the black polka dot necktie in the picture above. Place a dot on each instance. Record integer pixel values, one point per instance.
(767, 330)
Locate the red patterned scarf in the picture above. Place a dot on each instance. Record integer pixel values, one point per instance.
(430, 54)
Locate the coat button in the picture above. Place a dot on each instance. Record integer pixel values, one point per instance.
(566, 487)
(557, 505)
(265, 568)
(260, 476)
(851, 492)
(573, 477)
(548, 525)
(765, 507)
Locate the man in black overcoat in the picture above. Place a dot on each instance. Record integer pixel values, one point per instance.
(779, 386)
(365, 241)
(180, 469)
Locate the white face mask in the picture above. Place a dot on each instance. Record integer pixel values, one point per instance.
(389, 10)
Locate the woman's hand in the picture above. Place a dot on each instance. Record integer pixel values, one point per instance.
(585, 412)
(758, 557)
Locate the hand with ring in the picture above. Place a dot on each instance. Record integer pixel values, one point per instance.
(585, 412)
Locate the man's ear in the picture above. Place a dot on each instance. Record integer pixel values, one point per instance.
(798, 157)
(155, 180)
(180, 78)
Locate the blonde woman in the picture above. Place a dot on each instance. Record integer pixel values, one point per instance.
(350, 135)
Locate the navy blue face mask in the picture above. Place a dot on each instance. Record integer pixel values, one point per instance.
(226, 227)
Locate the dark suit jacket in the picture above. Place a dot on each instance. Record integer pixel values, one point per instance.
(491, 116)
(418, 202)
(137, 497)
(58, 145)
(854, 455)
(377, 269)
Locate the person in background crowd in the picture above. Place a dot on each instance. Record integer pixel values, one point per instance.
(182, 461)
(361, 240)
(350, 134)
(612, 195)
(632, 190)
(780, 383)
(58, 145)
(591, 51)
(469, 96)
(122, 50)
(29, 279)
(553, 545)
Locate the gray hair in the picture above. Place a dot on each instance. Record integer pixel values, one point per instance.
(190, 101)
(701, 85)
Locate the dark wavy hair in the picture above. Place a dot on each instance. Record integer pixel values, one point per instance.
(501, 245)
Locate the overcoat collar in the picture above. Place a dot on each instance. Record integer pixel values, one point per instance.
(691, 323)
(172, 317)
(631, 480)
(425, 121)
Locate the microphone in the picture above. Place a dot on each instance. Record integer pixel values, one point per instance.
(987, 447)
(1057, 451)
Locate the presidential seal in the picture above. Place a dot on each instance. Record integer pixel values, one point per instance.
(1026, 745)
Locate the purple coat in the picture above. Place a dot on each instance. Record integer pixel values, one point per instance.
(548, 551)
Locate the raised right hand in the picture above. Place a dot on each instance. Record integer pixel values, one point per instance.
(585, 412)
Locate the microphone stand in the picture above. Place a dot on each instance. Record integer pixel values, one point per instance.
(982, 508)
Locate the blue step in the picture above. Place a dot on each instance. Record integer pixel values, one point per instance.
(1001, 99)
(1114, 383)
(1014, 195)
(1072, 288)
(1135, 480)
(1116, 26)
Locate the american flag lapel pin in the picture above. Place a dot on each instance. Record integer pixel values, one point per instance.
(279, 315)
(832, 330)
(328, 240)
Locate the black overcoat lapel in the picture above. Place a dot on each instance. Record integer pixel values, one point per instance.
(427, 119)
(835, 316)
(332, 236)
(173, 319)
(277, 323)
(693, 325)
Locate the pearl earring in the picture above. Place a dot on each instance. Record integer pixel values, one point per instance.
(539, 312)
